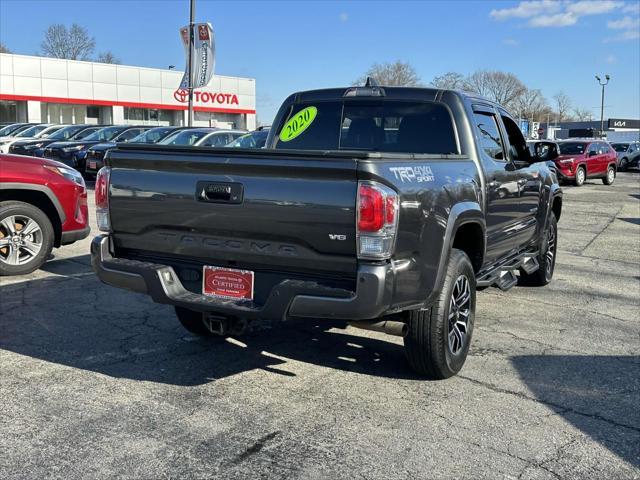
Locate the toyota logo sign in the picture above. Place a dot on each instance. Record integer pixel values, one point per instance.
(182, 95)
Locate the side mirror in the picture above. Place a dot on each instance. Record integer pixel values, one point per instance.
(545, 151)
(593, 154)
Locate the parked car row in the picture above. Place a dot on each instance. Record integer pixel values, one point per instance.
(83, 147)
(579, 159)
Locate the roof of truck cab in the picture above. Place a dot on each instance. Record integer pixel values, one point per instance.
(395, 93)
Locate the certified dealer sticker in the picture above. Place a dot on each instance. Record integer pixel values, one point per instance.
(419, 173)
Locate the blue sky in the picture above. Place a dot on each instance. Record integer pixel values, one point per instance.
(296, 45)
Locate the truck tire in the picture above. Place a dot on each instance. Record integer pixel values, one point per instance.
(438, 339)
(581, 176)
(546, 258)
(623, 164)
(610, 177)
(23, 252)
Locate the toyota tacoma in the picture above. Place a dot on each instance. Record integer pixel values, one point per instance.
(384, 207)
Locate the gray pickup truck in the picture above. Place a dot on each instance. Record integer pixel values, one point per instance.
(385, 207)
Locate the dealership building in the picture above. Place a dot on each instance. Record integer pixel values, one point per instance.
(51, 90)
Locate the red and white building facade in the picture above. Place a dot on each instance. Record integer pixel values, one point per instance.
(50, 90)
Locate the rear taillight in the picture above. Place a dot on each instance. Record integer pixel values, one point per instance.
(102, 199)
(377, 222)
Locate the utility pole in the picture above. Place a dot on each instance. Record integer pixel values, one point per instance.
(192, 14)
(607, 77)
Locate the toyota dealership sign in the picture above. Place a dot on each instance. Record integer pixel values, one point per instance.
(209, 98)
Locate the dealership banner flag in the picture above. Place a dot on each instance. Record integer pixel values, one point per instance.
(203, 58)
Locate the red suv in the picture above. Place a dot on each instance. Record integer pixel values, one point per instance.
(582, 159)
(43, 203)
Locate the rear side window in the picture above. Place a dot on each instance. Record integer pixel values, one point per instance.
(489, 135)
(382, 126)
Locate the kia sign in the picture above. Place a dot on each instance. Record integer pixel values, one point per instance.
(203, 59)
(623, 123)
(182, 95)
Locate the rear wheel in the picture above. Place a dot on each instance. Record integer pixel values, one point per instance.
(546, 258)
(439, 337)
(611, 176)
(26, 238)
(581, 176)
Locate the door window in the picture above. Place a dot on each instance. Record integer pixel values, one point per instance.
(517, 144)
(489, 136)
(593, 149)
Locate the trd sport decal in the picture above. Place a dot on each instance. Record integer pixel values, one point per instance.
(420, 174)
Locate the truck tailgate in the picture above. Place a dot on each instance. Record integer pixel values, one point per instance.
(261, 210)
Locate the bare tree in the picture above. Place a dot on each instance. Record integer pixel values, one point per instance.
(74, 43)
(582, 114)
(397, 74)
(502, 87)
(108, 57)
(563, 103)
(531, 104)
(4, 49)
(450, 80)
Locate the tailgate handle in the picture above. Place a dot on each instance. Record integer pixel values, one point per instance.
(219, 192)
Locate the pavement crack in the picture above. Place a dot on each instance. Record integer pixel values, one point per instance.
(548, 403)
(611, 220)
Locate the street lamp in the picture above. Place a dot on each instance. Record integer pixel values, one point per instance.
(607, 77)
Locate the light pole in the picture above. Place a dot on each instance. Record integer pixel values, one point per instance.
(192, 13)
(607, 78)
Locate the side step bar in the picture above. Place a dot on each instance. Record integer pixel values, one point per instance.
(504, 276)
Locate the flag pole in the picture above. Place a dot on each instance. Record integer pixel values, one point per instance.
(192, 11)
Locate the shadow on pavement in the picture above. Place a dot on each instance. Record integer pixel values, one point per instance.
(74, 320)
(589, 390)
(635, 221)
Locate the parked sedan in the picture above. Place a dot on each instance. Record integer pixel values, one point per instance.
(14, 128)
(186, 137)
(255, 139)
(35, 146)
(43, 204)
(628, 155)
(96, 153)
(35, 131)
(219, 138)
(74, 153)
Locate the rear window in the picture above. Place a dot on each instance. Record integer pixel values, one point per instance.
(382, 126)
(572, 148)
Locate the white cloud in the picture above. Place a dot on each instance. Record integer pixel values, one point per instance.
(527, 9)
(624, 36)
(632, 8)
(625, 23)
(592, 7)
(562, 13)
(558, 20)
(511, 42)
(611, 59)
(344, 16)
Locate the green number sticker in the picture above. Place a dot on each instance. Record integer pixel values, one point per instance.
(298, 123)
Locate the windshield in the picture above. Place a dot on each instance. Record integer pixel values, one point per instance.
(620, 147)
(47, 132)
(371, 125)
(250, 140)
(572, 148)
(9, 129)
(82, 134)
(65, 133)
(152, 136)
(104, 134)
(184, 137)
(32, 131)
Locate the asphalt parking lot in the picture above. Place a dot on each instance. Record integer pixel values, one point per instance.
(97, 382)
